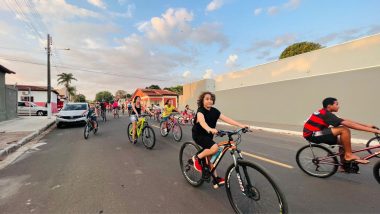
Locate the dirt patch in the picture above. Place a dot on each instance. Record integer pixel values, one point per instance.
(8, 138)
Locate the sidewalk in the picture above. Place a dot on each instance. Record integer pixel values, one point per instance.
(357, 136)
(16, 132)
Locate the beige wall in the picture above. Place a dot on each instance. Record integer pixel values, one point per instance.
(291, 102)
(353, 55)
(193, 90)
(289, 90)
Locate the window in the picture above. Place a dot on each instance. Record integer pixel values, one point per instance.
(21, 104)
(26, 98)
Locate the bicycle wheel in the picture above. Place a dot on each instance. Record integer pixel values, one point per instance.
(148, 137)
(192, 121)
(86, 131)
(187, 151)
(376, 171)
(129, 132)
(317, 161)
(162, 126)
(177, 132)
(260, 194)
(97, 126)
(373, 142)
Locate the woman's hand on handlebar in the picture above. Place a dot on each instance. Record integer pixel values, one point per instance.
(213, 131)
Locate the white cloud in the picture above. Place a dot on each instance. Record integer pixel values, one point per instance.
(258, 11)
(231, 60)
(208, 74)
(127, 14)
(214, 5)
(186, 74)
(273, 10)
(98, 3)
(174, 28)
(289, 5)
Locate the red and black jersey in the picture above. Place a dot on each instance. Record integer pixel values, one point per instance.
(320, 120)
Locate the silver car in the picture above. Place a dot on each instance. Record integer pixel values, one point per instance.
(25, 107)
(72, 113)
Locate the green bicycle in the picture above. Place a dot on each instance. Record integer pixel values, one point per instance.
(144, 130)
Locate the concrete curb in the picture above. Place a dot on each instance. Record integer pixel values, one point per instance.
(293, 133)
(12, 148)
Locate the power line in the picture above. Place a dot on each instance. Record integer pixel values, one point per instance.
(81, 69)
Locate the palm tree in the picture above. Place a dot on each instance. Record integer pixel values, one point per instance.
(71, 90)
(65, 80)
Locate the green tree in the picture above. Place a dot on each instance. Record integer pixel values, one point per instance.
(299, 48)
(176, 89)
(105, 96)
(79, 98)
(121, 94)
(71, 91)
(65, 80)
(129, 96)
(153, 87)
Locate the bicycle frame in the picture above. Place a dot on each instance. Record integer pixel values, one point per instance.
(335, 154)
(141, 123)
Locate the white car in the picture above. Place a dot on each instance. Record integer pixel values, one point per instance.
(24, 107)
(72, 113)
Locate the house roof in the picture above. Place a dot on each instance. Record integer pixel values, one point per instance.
(158, 92)
(6, 70)
(34, 88)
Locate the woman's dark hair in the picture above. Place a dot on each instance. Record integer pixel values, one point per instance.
(328, 101)
(202, 96)
(167, 101)
(135, 99)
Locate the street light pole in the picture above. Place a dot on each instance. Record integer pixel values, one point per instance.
(48, 77)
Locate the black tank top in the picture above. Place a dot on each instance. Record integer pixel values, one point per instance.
(137, 109)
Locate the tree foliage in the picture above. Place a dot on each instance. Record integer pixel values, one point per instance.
(153, 87)
(104, 96)
(79, 98)
(299, 48)
(121, 94)
(176, 89)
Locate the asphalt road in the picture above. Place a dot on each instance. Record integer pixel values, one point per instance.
(65, 173)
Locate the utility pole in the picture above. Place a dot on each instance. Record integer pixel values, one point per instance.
(48, 77)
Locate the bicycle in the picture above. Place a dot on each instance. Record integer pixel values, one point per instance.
(144, 130)
(248, 186)
(88, 128)
(103, 115)
(320, 161)
(171, 124)
(188, 119)
(116, 112)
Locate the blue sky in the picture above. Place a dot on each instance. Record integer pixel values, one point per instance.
(125, 44)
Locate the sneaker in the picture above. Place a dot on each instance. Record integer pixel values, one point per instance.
(218, 182)
(196, 163)
(135, 141)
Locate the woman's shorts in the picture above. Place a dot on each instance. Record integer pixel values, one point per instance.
(165, 118)
(133, 118)
(205, 142)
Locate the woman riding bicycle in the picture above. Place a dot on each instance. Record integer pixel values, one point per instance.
(168, 109)
(204, 129)
(136, 112)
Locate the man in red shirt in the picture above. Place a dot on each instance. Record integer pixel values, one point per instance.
(318, 129)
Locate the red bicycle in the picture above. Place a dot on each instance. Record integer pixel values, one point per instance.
(320, 161)
(186, 118)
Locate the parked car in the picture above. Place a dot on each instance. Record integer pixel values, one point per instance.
(72, 113)
(24, 107)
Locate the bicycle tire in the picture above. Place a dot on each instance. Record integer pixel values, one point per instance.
(152, 135)
(97, 126)
(332, 162)
(162, 130)
(263, 187)
(376, 171)
(374, 143)
(192, 176)
(129, 132)
(86, 131)
(179, 136)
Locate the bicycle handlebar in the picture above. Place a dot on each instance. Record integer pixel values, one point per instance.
(222, 133)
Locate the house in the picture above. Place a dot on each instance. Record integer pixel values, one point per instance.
(8, 97)
(155, 96)
(38, 95)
